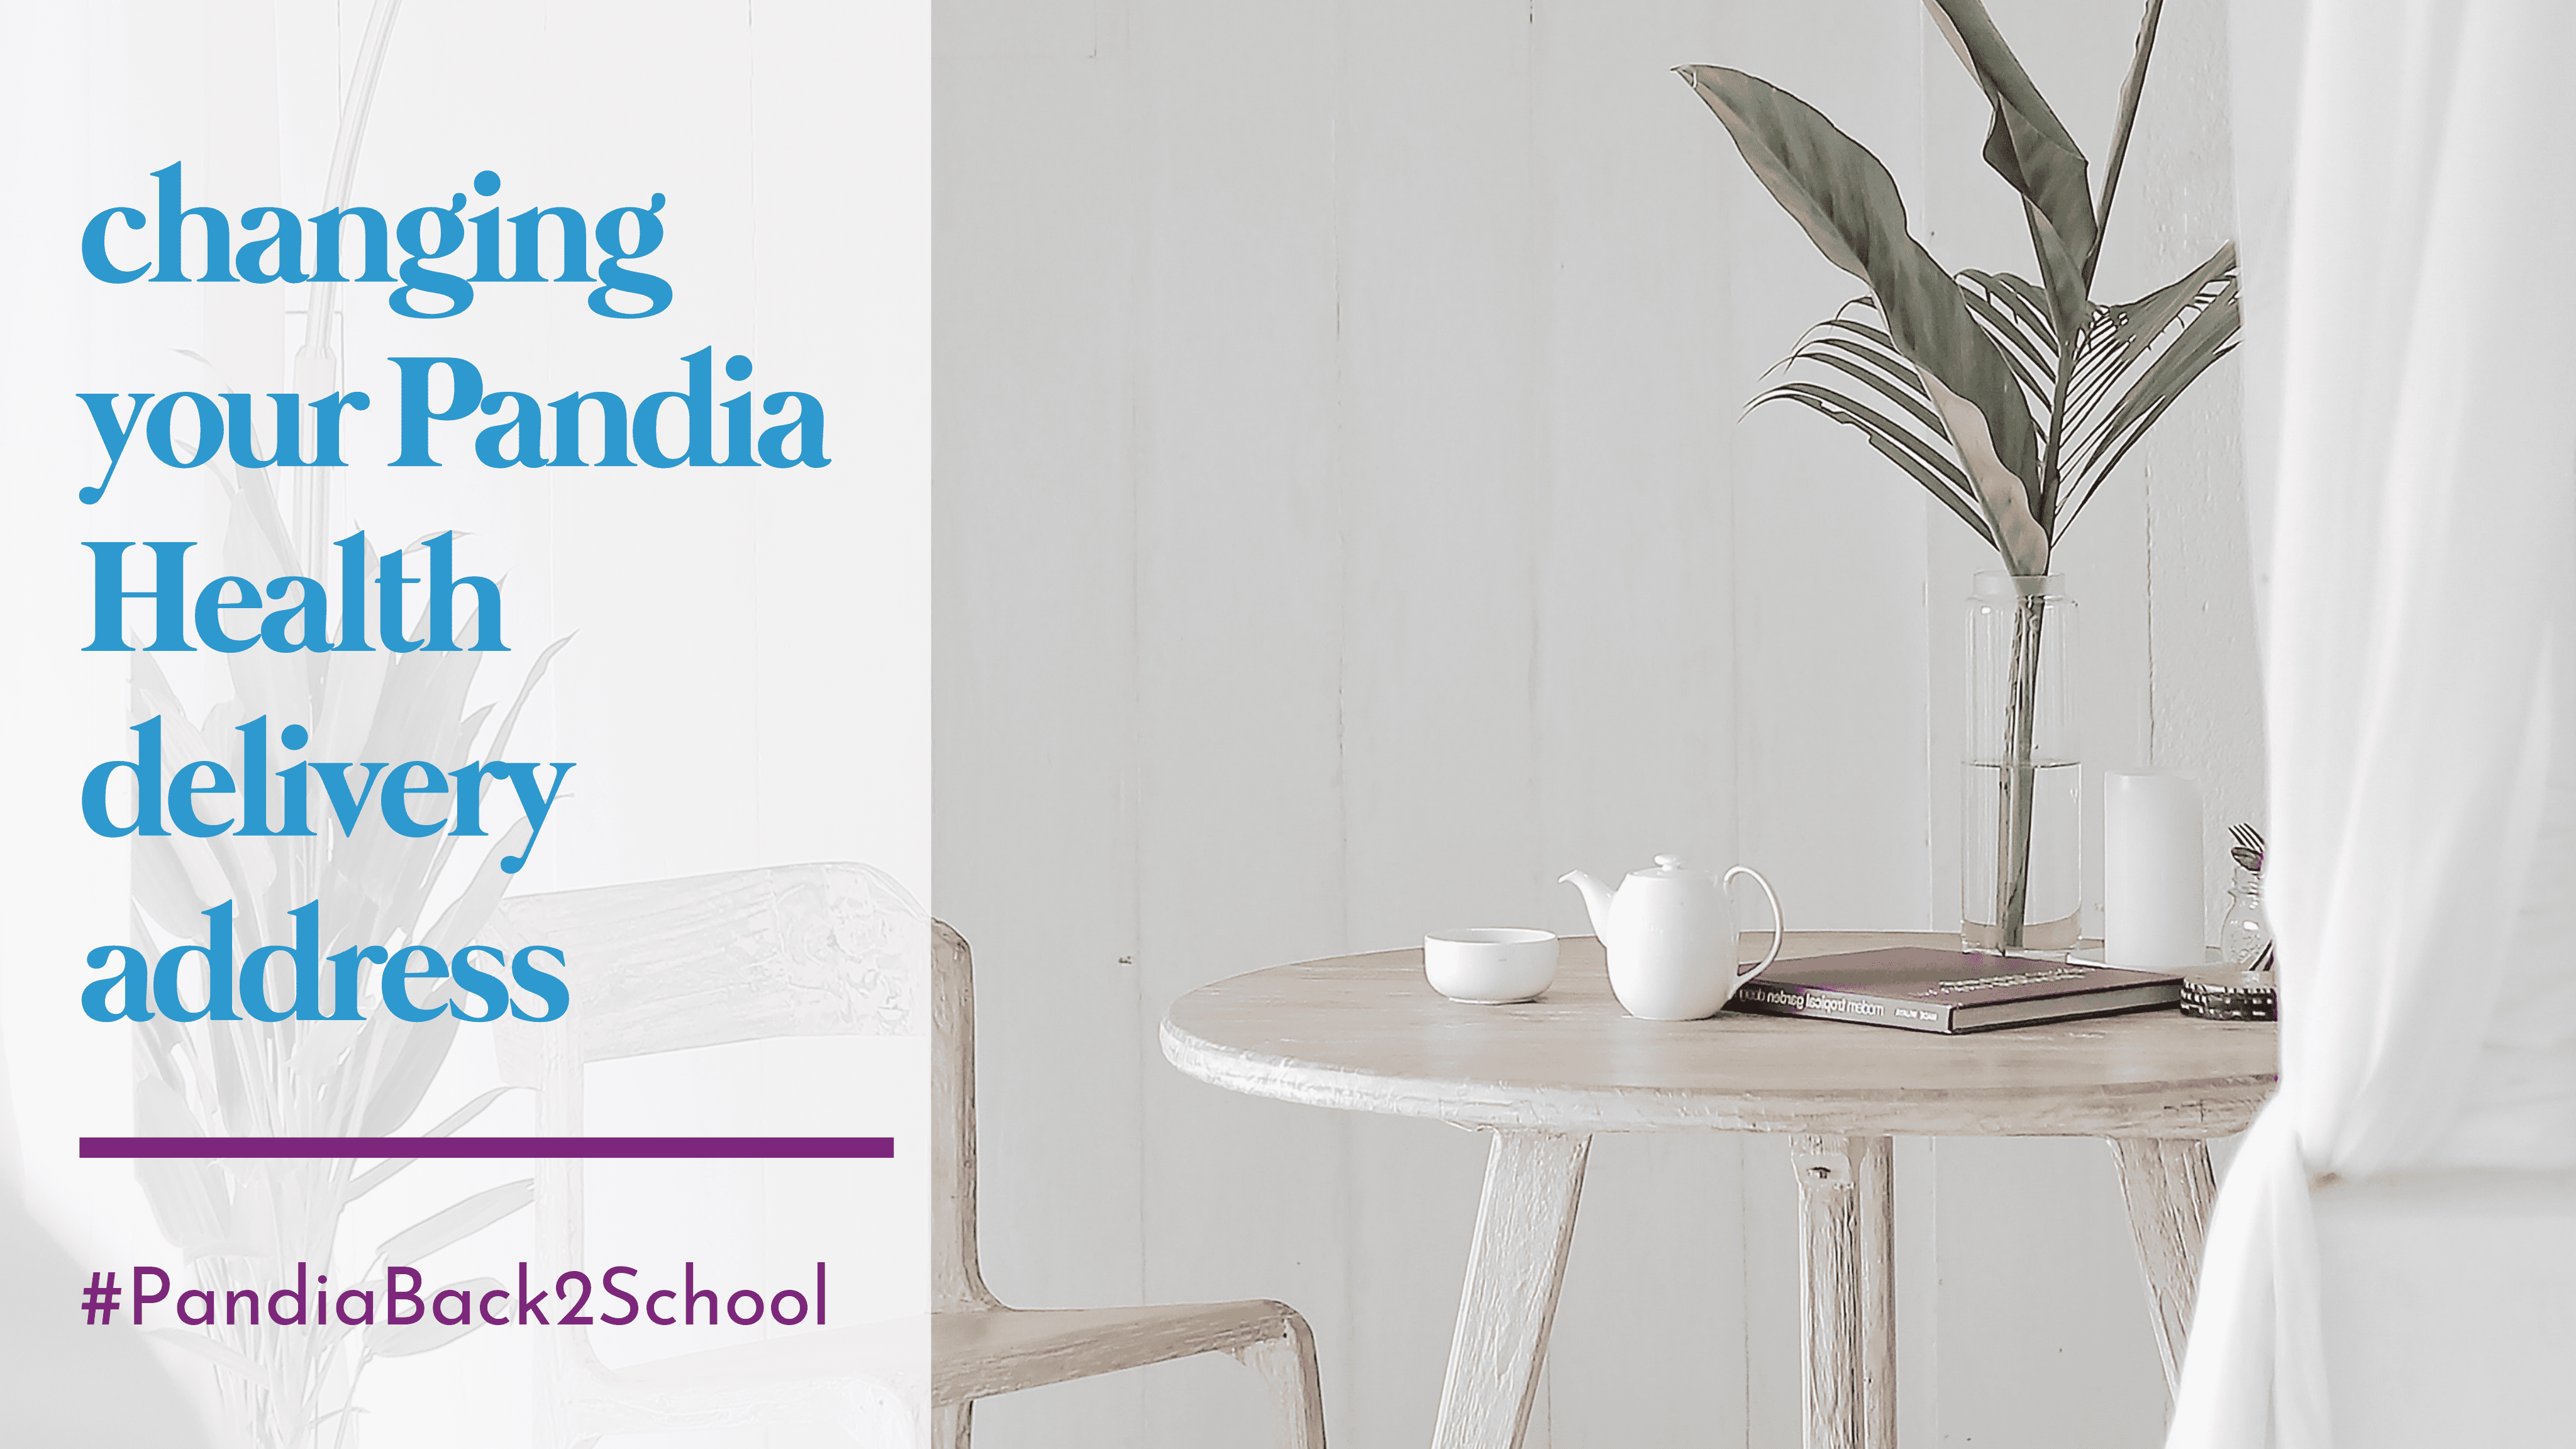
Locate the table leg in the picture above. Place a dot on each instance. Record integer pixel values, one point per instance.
(1523, 1227)
(2166, 1185)
(1846, 1274)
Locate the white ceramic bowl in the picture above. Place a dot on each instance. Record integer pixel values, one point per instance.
(1490, 967)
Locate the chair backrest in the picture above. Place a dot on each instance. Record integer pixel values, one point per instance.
(798, 950)
(829, 949)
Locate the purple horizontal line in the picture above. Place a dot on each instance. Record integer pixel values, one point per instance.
(481, 1147)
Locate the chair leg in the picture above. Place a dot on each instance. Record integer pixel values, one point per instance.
(951, 1425)
(1287, 1365)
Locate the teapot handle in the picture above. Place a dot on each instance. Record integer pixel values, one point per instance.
(1779, 926)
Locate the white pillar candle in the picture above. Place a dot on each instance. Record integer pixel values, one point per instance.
(2151, 909)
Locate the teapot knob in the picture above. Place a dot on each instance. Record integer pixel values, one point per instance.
(1668, 862)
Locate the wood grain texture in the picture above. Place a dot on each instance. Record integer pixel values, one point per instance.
(976, 1353)
(980, 1347)
(1368, 1033)
(1846, 1271)
(1287, 1366)
(956, 1266)
(1524, 1224)
(828, 949)
(2167, 1187)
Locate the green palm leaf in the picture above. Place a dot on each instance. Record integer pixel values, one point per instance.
(2028, 147)
(2130, 90)
(1863, 353)
(2026, 299)
(2102, 435)
(2130, 364)
(189, 1201)
(406, 1062)
(2120, 334)
(1849, 207)
(456, 1221)
(221, 1355)
(2025, 336)
(1925, 465)
(2118, 381)
(369, 1180)
(1912, 436)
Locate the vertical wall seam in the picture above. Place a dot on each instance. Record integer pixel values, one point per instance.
(1132, 783)
(1336, 462)
(1937, 777)
(1739, 733)
(1536, 375)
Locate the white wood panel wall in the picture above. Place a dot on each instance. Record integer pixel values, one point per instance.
(1344, 526)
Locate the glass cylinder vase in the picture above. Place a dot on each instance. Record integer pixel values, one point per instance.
(2021, 811)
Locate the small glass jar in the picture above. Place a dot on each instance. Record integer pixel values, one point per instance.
(2245, 937)
(2241, 986)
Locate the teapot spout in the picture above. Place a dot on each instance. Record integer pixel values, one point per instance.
(1596, 899)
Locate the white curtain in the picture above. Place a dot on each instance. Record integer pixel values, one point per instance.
(2421, 328)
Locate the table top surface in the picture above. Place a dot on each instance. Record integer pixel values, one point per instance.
(1369, 1034)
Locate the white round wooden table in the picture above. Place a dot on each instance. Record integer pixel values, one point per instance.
(1369, 1034)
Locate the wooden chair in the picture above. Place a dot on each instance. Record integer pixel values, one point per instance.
(822, 950)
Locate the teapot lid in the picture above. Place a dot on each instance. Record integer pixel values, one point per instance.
(1666, 867)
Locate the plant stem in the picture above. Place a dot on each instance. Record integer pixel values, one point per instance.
(2020, 778)
(340, 1431)
(2046, 513)
(2130, 89)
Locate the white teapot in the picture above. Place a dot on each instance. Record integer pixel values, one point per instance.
(1670, 931)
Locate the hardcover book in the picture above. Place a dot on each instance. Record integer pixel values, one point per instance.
(1921, 989)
